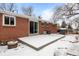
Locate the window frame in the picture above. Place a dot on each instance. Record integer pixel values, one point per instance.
(9, 20)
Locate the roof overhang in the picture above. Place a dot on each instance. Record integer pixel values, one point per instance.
(14, 14)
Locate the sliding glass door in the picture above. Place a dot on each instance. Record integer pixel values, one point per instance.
(33, 27)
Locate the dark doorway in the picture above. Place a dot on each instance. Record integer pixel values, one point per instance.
(33, 27)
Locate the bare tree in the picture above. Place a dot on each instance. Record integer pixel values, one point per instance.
(67, 11)
(76, 22)
(57, 14)
(8, 7)
(27, 10)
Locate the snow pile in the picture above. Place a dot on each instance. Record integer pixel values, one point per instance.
(74, 50)
(12, 42)
(60, 52)
(70, 37)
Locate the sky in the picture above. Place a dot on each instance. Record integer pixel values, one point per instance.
(45, 10)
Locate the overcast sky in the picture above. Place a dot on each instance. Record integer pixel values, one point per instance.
(41, 9)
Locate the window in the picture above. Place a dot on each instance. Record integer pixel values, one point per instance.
(6, 20)
(12, 21)
(9, 20)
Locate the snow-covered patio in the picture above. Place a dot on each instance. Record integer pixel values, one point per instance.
(24, 50)
(40, 41)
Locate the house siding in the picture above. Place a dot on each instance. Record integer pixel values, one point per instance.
(14, 32)
(41, 27)
(52, 28)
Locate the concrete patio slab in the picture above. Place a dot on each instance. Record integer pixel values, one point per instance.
(40, 41)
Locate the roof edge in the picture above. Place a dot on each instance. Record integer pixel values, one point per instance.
(14, 14)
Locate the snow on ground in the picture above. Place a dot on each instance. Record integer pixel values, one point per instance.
(70, 37)
(23, 50)
(40, 40)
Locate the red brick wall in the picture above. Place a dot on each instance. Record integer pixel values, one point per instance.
(52, 28)
(48, 27)
(41, 27)
(20, 30)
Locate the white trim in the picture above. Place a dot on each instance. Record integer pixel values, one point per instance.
(38, 27)
(3, 20)
(28, 27)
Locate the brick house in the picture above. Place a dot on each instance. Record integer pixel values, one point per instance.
(47, 26)
(13, 26)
